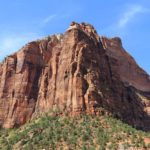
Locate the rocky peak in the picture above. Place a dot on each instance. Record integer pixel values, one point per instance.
(85, 27)
(76, 72)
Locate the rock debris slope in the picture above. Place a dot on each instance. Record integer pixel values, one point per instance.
(76, 72)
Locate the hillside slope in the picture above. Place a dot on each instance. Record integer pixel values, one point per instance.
(85, 132)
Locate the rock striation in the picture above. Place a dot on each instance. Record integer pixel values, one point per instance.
(78, 71)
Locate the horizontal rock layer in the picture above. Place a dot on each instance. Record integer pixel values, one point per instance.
(77, 72)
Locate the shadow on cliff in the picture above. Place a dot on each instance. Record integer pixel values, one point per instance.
(131, 108)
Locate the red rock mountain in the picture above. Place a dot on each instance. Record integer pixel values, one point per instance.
(76, 72)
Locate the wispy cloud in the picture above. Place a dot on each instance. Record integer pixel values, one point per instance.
(11, 43)
(130, 14)
(50, 18)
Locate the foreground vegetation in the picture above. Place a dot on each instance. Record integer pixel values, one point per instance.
(82, 132)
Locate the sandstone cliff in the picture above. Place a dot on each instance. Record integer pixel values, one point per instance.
(76, 72)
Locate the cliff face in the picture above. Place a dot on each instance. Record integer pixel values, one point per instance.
(75, 72)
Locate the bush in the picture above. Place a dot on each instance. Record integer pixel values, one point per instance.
(82, 132)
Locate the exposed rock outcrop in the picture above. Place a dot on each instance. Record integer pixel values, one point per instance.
(77, 72)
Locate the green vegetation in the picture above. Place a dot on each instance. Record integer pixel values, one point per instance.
(85, 132)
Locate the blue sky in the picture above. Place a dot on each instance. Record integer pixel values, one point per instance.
(24, 20)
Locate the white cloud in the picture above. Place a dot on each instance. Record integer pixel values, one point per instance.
(130, 14)
(12, 43)
(49, 18)
(54, 16)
